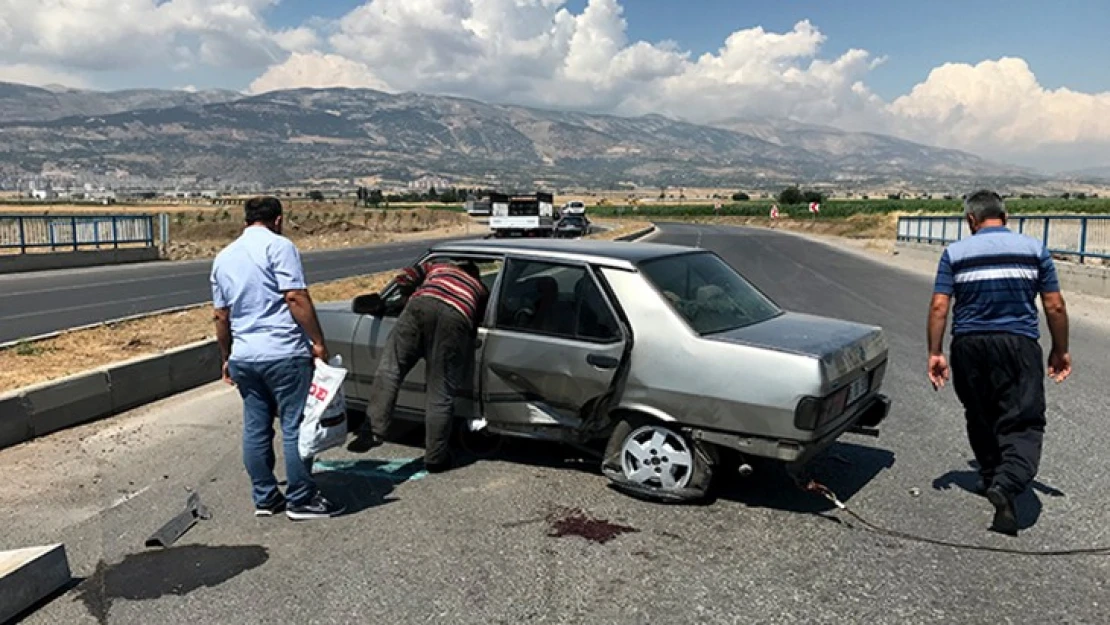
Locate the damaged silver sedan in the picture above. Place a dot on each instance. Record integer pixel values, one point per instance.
(661, 357)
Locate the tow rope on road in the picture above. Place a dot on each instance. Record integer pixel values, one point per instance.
(815, 487)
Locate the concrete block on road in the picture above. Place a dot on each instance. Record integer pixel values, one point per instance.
(15, 420)
(68, 402)
(139, 382)
(194, 365)
(27, 576)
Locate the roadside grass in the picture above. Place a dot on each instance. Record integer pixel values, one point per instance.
(29, 363)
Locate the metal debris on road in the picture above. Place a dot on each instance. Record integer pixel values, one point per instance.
(177, 526)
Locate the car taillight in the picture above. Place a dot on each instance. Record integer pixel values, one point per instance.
(812, 412)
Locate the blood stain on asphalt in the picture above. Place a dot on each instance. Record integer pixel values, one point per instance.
(575, 522)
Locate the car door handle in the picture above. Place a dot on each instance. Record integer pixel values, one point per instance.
(602, 362)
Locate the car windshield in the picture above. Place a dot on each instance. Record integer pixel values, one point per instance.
(709, 294)
(572, 219)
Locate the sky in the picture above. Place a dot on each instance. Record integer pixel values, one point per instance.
(1017, 81)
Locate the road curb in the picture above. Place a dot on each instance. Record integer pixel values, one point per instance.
(48, 407)
(639, 234)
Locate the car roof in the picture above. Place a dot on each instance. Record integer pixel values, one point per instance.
(623, 254)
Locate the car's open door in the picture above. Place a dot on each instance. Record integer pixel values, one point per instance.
(373, 331)
(553, 347)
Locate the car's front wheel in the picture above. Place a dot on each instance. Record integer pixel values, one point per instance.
(651, 458)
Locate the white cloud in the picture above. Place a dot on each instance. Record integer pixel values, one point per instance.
(1000, 103)
(318, 71)
(95, 35)
(537, 52)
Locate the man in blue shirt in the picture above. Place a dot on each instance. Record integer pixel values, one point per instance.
(268, 334)
(995, 277)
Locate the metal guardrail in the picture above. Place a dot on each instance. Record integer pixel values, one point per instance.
(74, 232)
(1085, 236)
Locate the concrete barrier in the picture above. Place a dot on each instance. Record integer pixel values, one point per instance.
(68, 402)
(28, 576)
(51, 406)
(194, 365)
(15, 420)
(136, 382)
(1085, 279)
(18, 263)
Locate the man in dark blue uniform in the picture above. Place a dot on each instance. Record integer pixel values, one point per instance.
(995, 277)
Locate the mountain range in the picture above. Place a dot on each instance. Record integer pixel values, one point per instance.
(301, 135)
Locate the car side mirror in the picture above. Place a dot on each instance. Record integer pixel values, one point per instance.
(370, 304)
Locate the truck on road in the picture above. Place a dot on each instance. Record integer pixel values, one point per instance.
(522, 215)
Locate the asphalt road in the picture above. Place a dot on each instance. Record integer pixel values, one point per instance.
(41, 302)
(476, 545)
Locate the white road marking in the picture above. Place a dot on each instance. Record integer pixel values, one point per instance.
(126, 498)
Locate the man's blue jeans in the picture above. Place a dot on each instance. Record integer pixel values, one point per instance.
(275, 388)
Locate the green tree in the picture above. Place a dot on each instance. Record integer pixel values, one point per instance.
(791, 196)
(740, 196)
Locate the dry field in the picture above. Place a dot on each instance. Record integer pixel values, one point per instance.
(201, 234)
(81, 350)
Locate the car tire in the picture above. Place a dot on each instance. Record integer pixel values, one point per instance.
(678, 469)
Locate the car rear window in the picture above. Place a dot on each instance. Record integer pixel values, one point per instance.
(709, 294)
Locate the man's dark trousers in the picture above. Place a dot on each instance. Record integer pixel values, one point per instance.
(434, 330)
(999, 378)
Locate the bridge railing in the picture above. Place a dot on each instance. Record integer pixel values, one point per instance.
(59, 233)
(1083, 236)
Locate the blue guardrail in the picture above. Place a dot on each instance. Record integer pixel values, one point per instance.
(1083, 236)
(61, 233)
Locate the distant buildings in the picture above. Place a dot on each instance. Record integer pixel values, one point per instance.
(425, 183)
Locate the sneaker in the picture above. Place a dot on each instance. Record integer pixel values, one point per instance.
(1005, 519)
(318, 508)
(270, 508)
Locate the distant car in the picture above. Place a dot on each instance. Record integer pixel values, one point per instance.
(572, 226)
(574, 207)
(660, 357)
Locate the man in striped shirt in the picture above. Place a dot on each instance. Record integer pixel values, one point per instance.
(995, 277)
(446, 303)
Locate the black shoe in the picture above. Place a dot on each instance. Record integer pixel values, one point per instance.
(270, 508)
(318, 508)
(981, 486)
(364, 442)
(439, 467)
(1005, 519)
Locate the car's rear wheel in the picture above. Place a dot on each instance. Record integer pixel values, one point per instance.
(654, 459)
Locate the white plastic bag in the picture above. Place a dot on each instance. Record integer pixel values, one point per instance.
(325, 411)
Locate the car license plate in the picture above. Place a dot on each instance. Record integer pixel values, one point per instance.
(858, 389)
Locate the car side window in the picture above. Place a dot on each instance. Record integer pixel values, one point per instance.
(555, 300)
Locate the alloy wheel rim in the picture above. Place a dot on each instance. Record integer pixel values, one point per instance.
(657, 457)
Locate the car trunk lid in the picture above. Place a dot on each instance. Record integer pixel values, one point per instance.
(840, 346)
